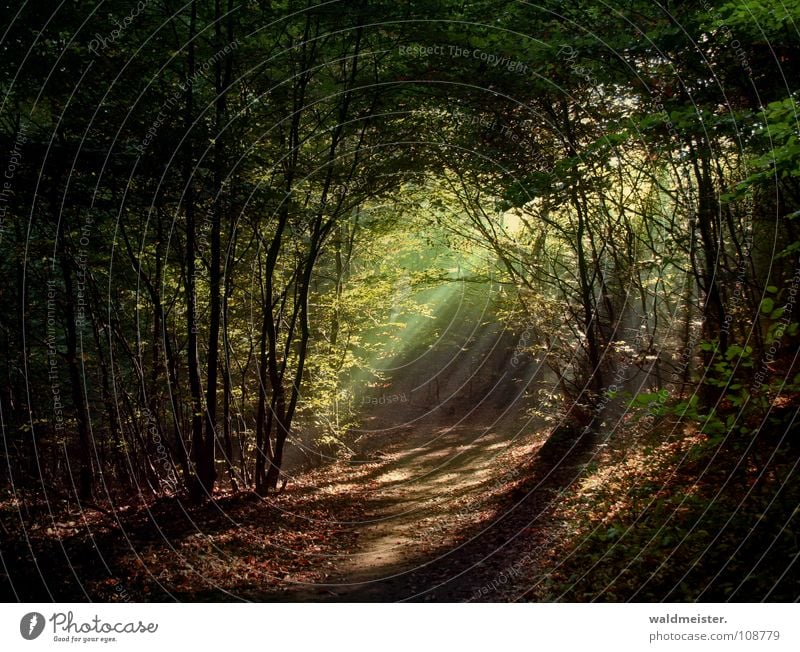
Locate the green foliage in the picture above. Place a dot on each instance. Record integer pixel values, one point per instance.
(652, 402)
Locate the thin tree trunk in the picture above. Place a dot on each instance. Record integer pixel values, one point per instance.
(85, 474)
(200, 485)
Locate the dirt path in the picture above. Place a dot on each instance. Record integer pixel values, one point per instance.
(450, 515)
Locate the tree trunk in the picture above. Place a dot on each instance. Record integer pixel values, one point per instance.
(201, 483)
(85, 474)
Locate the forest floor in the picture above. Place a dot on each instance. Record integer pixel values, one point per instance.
(487, 509)
(432, 511)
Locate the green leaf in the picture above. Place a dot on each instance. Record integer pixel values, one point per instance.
(733, 351)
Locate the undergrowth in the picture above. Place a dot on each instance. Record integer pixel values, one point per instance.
(675, 514)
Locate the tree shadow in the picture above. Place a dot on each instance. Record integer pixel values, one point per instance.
(453, 573)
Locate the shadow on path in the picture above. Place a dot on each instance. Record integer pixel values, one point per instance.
(443, 524)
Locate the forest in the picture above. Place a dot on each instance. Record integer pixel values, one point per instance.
(376, 301)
